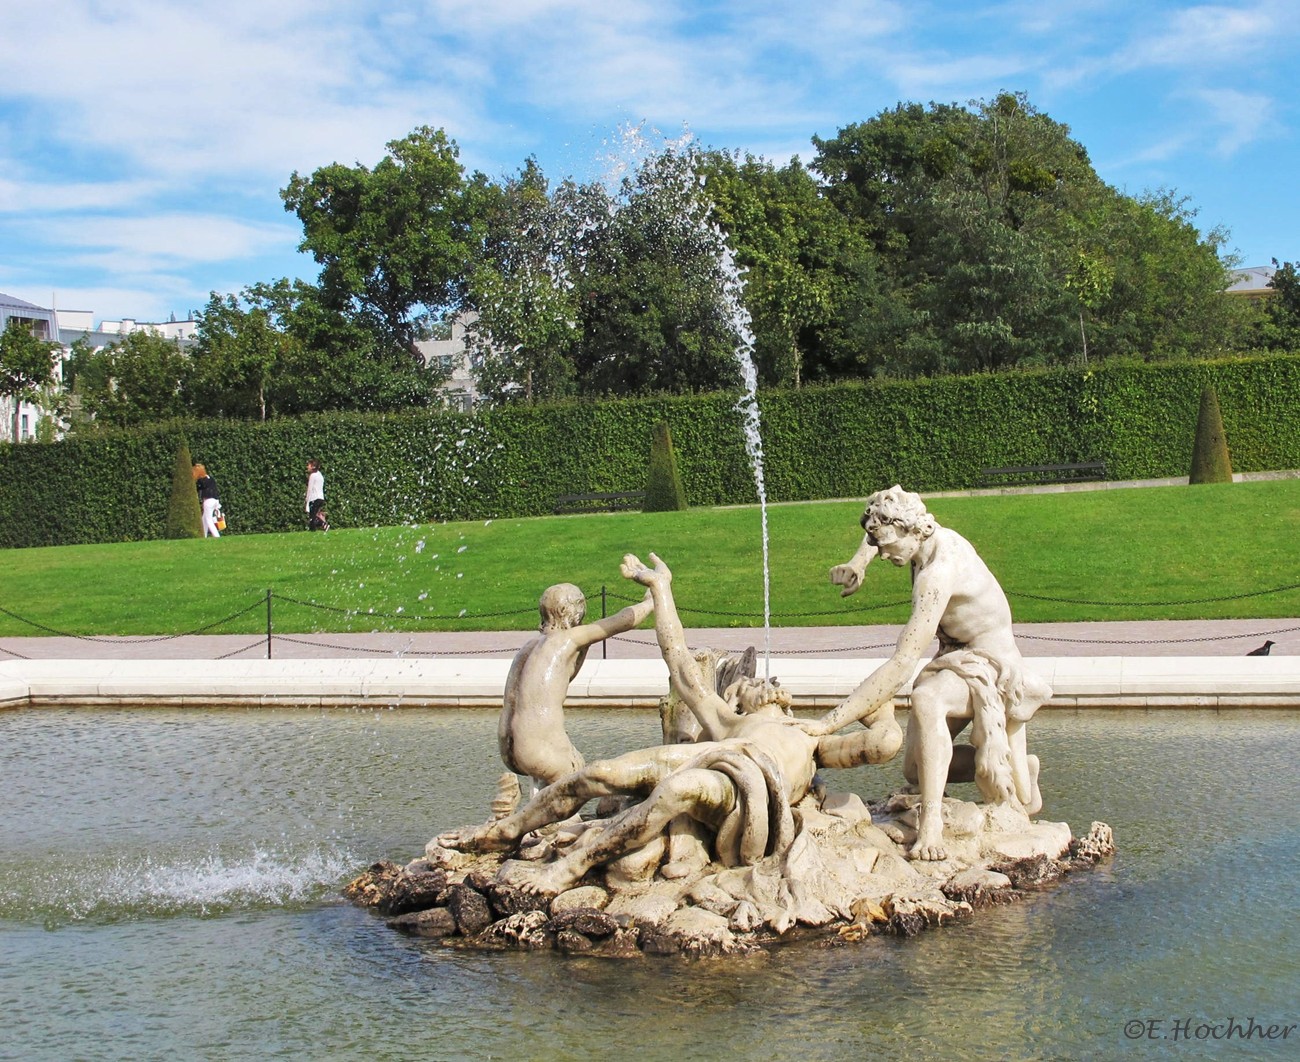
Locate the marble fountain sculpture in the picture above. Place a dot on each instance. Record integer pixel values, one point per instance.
(727, 837)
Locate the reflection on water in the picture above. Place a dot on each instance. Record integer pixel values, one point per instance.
(168, 886)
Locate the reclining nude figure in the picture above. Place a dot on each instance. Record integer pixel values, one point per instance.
(530, 731)
(978, 676)
(752, 735)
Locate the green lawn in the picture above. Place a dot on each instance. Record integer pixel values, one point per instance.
(1156, 550)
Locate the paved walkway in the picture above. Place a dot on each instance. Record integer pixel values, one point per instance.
(1138, 638)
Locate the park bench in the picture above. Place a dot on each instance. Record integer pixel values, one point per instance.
(1022, 475)
(599, 502)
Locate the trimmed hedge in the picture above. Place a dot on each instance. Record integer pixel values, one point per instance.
(664, 492)
(820, 442)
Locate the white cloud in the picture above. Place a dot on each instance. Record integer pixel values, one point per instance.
(183, 90)
(143, 243)
(1209, 35)
(19, 196)
(1238, 119)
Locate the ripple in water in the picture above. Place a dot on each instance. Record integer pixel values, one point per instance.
(147, 886)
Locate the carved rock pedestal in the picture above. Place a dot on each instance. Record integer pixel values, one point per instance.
(845, 875)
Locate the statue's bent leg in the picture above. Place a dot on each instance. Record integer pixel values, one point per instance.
(632, 774)
(1024, 766)
(936, 699)
(704, 795)
(878, 743)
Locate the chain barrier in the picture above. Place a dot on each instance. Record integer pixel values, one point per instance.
(260, 643)
(775, 615)
(403, 652)
(1153, 641)
(1155, 604)
(128, 640)
(264, 602)
(782, 652)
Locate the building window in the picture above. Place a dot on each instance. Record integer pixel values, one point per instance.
(24, 427)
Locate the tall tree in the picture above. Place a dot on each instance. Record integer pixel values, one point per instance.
(395, 242)
(521, 291)
(652, 288)
(143, 377)
(808, 269)
(1001, 246)
(1280, 327)
(237, 356)
(329, 360)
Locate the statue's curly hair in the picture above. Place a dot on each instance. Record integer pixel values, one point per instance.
(901, 508)
(561, 606)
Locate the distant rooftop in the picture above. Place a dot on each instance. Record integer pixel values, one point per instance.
(1253, 280)
(14, 303)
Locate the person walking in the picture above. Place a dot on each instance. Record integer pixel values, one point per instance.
(207, 488)
(314, 504)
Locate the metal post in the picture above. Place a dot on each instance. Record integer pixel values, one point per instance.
(268, 623)
(604, 645)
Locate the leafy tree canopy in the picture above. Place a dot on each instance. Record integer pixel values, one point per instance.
(26, 362)
(394, 242)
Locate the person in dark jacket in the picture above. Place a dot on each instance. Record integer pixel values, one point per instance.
(207, 488)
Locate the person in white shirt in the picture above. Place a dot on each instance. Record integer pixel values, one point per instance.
(315, 500)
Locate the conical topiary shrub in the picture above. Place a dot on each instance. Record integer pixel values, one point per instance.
(663, 492)
(184, 515)
(1210, 460)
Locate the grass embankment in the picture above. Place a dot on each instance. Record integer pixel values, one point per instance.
(1168, 544)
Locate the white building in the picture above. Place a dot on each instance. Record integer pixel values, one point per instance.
(1252, 282)
(18, 421)
(452, 356)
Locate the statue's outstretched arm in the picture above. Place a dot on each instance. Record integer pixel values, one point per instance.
(620, 623)
(930, 596)
(683, 669)
(850, 575)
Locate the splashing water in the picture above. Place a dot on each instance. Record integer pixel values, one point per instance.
(146, 886)
(747, 406)
(693, 213)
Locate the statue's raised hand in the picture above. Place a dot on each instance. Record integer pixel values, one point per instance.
(848, 576)
(635, 569)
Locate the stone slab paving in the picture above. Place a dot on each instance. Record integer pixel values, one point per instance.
(820, 666)
(1131, 638)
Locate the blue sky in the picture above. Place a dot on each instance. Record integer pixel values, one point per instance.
(143, 143)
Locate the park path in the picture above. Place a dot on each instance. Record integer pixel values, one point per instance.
(1137, 638)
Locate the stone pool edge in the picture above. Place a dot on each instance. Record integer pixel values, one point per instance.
(1079, 682)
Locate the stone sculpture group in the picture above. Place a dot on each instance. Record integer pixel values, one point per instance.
(725, 841)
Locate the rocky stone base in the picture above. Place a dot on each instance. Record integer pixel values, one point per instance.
(845, 876)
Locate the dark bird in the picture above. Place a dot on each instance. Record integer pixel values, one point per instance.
(1262, 650)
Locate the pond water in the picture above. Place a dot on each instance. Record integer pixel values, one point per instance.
(169, 888)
